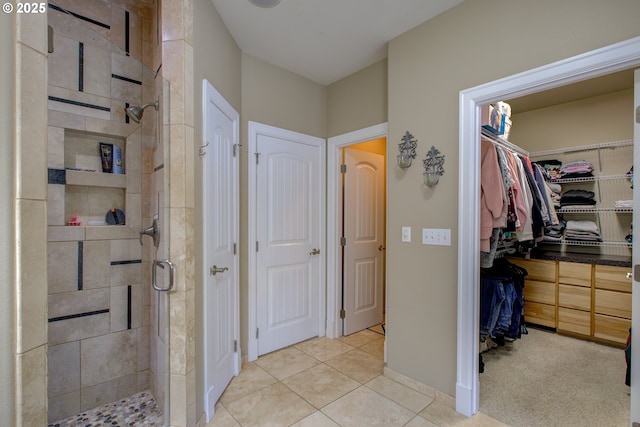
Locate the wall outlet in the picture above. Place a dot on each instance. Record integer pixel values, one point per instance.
(406, 234)
(436, 236)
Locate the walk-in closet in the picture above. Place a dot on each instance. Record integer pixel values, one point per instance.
(556, 240)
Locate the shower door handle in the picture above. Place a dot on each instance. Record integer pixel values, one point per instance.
(161, 263)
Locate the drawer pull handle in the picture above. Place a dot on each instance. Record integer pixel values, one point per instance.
(629, 275)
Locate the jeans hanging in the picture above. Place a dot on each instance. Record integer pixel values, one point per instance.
(492, 296)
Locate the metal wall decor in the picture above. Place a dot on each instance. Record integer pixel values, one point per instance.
(433, 168)
(407, 150)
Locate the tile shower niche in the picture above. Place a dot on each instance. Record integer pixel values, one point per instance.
(89, 192)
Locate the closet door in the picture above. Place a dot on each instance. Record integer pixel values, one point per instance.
(364, 233)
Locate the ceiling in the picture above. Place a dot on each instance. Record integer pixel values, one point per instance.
(327, 40)
(324, 40)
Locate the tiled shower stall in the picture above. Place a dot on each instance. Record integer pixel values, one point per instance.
(107, 328)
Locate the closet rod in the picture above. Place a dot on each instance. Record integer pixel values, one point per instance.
(613, 144)
(503, 142)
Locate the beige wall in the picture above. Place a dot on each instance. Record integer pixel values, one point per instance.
(280, 98)
(474, 43)
(589, 121)
(377, 146)
(7, 345)
(216, 57)
(358, 101)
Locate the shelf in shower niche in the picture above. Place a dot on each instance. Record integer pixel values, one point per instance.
(95, 179)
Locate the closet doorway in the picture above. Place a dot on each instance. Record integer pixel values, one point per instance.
(363, 235)
(597, 63)
(583, 128)
(369, 142)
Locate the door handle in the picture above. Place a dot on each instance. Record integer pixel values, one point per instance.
(381, 248)
(315, 252)
(215, 270)
(161, 263)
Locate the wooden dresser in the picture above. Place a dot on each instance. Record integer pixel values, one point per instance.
(591, 301)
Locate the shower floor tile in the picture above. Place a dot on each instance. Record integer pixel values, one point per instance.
(137, 410)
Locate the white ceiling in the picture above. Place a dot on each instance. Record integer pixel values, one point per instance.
(324, 40)
(327, 40)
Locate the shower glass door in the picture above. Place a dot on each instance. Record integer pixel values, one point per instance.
(108, 329)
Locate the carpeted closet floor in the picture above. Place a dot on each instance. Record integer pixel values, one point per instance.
(546, 379)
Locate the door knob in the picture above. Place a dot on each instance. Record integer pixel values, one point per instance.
(315, 252)
(215, 270)
(381, 248)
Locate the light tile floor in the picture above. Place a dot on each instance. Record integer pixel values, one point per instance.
(330, 382)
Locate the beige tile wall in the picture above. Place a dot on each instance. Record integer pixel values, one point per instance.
(177, 66)
(30, 215)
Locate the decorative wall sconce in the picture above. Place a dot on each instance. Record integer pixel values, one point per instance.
(433, 168)
(407, 150)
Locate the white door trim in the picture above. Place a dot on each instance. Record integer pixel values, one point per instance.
(209, 93)
(256, 129)
(616, 57)
(635, 290)
(334, 211)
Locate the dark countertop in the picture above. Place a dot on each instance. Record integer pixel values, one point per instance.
(613, 260)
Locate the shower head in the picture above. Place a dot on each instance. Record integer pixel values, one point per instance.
(135, 112)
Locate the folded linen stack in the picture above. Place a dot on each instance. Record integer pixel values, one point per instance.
(552, 167)
(553, 233)
(585, 231)
(580, 198)
(621, 204)
(577, 169)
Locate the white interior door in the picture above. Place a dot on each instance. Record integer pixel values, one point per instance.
(221, 232)
(635, 312)
(289, 238)
(364, 240)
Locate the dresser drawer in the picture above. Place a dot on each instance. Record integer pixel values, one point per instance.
(575, 321)
(611, 328)
(572, 273)
(577, 297)
(540, 314)
(536, 291)
(613, 303)
(613, 278)
(537, 269)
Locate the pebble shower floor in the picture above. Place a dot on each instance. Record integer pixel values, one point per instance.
(138, 410)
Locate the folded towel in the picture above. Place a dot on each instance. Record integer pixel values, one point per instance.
(623, 204)
(589, 226)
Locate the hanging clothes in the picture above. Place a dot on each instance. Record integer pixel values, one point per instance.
(513, 204)
(539, 211)
(493, 203)
(501, 301)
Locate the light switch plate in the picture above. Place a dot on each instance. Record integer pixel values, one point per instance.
(406, 234)
(436, 236)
